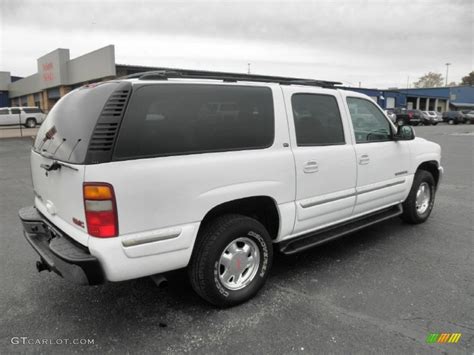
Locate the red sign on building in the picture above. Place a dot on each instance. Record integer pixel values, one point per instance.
(48, 72)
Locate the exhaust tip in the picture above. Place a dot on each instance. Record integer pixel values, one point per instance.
(160, 280)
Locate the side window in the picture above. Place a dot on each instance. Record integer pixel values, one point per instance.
(370, 124)
(15, 111)
(31, 110)
(317, 120)
(177, 119)
(4, 111)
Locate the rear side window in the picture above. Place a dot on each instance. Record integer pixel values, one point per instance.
(317, 120)
(67, 130)
(175, 119)
(4, 112)
(31, 110)
(15, 111)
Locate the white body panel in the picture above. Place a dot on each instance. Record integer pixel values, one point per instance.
(324, 174)
(163, 200)
(58, 196)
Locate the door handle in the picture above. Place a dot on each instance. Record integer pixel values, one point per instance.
(364, 159)
(310, 167)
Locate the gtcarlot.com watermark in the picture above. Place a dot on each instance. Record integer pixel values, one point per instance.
(49, 341)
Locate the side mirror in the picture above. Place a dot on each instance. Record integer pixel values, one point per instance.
(405, 133)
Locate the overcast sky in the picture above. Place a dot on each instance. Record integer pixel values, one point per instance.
(379, 43)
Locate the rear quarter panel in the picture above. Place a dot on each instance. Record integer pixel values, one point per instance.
(160, 192)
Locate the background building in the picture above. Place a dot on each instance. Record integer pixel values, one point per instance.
(440, 99)
(58, 74)
(390, 98)
(426, 99)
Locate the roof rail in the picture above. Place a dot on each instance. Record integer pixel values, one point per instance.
(164, 74)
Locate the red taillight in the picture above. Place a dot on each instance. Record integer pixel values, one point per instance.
(410, 114)
(101, 210)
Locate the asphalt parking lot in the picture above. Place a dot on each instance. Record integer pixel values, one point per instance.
(381, 290)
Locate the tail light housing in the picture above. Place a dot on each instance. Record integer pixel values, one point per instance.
(101, 209)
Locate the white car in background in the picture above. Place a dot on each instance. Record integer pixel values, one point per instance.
(30, 117)
(435, 117)
(391, 115)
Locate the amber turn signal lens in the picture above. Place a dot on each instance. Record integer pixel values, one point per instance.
(97, 192)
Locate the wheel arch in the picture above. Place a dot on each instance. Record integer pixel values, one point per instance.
(431, 166)
(262, 208)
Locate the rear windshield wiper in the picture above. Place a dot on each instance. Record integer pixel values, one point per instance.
(56, 165)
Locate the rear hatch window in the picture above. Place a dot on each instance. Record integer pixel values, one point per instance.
(67, 130)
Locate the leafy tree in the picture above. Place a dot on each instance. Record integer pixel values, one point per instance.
(452, 83)
(430, 80)
(468, 79)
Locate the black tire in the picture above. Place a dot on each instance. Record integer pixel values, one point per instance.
(410, 213)
(435, 123)
(30, 123)
(204, 268)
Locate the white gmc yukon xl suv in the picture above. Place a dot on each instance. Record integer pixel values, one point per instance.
(213, 172)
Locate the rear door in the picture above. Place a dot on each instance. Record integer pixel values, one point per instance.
(15, 116)
(58, 157)
(58, 195)
(324, 158)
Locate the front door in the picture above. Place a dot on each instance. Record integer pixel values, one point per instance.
(382, 162)
(324, 158)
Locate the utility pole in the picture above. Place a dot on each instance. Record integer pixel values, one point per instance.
(248, 68)
(408, 82)
(447, 71)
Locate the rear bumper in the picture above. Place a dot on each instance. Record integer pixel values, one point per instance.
(58, 252)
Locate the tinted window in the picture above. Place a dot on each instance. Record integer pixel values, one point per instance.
(15, 111)
(183, 119)
(317, 120)
(31, 110)
(369, 122)
(4, 112)
(66, 132)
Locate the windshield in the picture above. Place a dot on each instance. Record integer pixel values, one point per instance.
(67, 130)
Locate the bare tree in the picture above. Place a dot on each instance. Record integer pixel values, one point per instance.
(430, 80)
(468, 79)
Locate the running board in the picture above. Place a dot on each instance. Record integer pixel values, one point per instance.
(306, 241)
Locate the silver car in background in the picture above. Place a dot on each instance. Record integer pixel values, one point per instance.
(433, 117)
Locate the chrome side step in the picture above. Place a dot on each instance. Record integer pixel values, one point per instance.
(306, 241)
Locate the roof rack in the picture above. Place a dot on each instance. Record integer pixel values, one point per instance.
(165, 74)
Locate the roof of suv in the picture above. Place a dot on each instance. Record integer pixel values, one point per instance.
(21, 107)
(164, 75)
